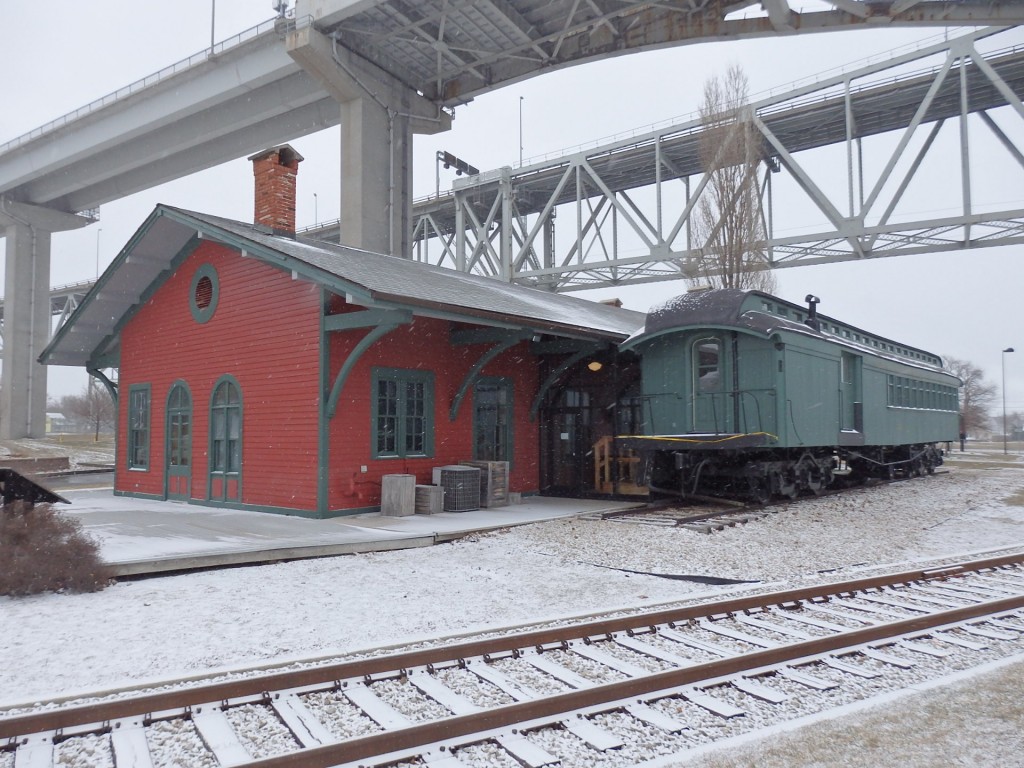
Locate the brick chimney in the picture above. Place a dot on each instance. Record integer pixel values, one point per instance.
(275, 171)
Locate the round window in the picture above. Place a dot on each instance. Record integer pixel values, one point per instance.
(204, 293)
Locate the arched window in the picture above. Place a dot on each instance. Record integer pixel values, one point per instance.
(226, 440)
(179, 427)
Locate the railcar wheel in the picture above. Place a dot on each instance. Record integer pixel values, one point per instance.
(760, 489)
(784, 485)
(814, 481)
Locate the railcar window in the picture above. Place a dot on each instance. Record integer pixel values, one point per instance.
(911, 393)
(707, 355)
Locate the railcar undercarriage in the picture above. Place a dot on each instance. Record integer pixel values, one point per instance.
(781, 473)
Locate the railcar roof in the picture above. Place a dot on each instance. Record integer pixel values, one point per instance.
(373, 278)
(748, 311)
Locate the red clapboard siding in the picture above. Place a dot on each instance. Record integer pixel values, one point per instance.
(265, 333)
(423, 345)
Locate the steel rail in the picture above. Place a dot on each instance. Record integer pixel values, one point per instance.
(141, 706)
(559, 705)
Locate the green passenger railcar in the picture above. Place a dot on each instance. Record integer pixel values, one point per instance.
(750, 393)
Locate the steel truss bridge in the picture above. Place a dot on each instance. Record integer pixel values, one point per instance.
(625, 210)
(64, 299)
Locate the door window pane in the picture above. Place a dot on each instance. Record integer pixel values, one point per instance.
(707, 365)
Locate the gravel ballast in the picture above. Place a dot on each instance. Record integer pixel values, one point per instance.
(180, 626)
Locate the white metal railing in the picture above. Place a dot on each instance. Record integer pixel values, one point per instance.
(176, 68)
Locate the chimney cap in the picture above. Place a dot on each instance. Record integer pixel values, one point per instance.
(286, 152)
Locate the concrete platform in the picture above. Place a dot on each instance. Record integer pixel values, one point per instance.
(139, 536)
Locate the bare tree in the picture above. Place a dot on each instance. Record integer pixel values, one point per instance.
(976, 395)
(728, 222)
(94, 407)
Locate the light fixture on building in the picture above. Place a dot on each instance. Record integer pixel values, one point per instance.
(595, 365)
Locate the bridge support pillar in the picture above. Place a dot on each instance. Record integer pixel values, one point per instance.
(376, 178)
(27, 229)
(379, 116)
(26, 332)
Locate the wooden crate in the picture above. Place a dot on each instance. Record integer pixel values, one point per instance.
(493, 482)
(429, 499)
(397, 495)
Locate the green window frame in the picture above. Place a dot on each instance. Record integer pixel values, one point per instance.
(402, 413)
(204, 293)
(492, 419)
(138, 426)
(179, 426)
(226, 428)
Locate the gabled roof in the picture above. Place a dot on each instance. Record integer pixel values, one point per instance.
(372, 279)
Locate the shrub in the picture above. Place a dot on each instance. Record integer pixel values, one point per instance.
(44, 551)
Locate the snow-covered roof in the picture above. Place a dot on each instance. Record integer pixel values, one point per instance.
(91, 333)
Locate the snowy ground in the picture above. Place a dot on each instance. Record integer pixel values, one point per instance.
(53, 646)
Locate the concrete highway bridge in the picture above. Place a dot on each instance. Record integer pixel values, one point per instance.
(383, 70)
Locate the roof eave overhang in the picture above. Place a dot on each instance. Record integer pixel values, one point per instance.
(495, 319)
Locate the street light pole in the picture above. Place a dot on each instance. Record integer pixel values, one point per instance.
(1008, 349)
(520, 131)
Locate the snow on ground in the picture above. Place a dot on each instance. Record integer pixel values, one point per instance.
(53, 646)
(81, 450)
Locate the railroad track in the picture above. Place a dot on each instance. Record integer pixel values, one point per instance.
(710, 513)
(611, 692)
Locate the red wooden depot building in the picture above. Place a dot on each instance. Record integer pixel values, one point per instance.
(261, 370)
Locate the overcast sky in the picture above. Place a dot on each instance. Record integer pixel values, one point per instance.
(60, 54)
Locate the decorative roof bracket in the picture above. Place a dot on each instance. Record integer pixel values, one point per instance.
(383, 322)
(511, 339)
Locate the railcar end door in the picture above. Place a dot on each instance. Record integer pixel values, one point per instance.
(710, 406)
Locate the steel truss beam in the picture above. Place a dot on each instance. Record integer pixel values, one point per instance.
(630, 204)
(452, 51)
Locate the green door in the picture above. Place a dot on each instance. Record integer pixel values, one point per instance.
(568, 462)
(178, 453)
(225, 482)
(850, 392)
(711, 406)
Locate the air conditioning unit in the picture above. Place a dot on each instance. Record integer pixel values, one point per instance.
(461, 487)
